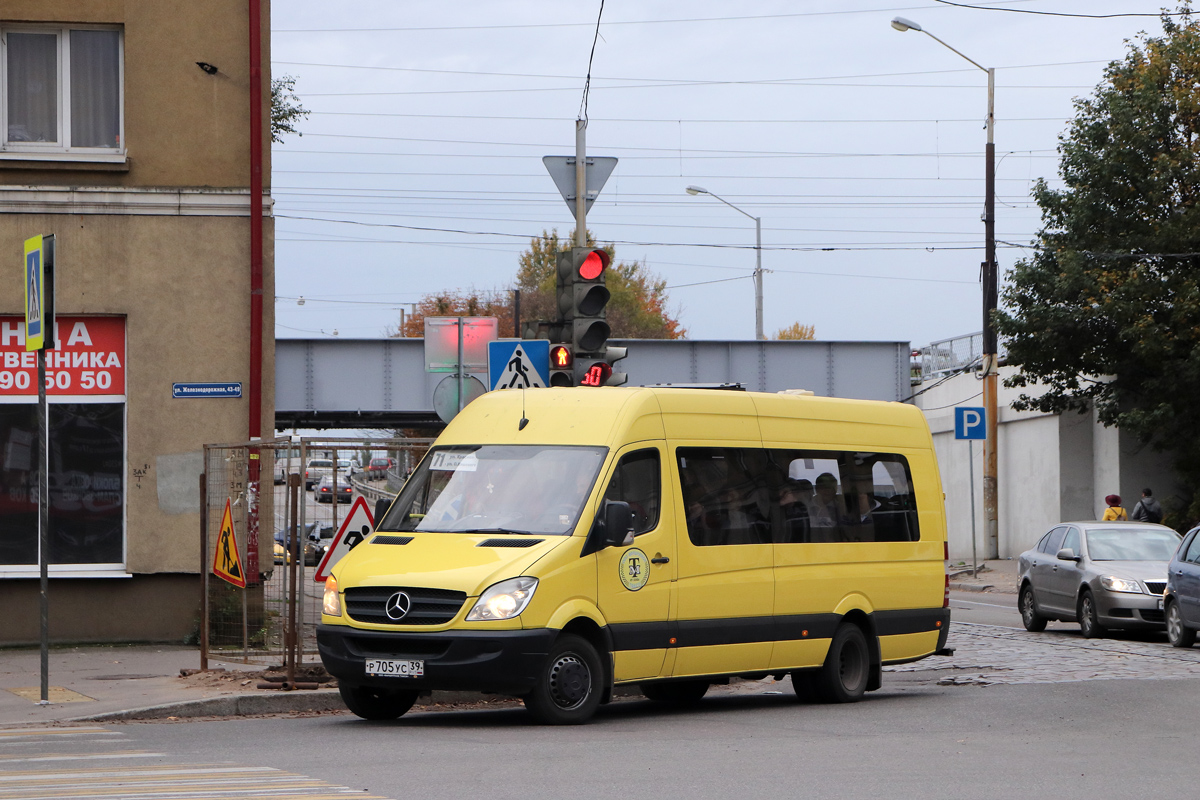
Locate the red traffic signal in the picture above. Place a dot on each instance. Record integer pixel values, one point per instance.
(596, 374)
(560, 357)
(593, 266)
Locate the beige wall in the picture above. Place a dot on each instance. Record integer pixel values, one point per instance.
(180, 277)
(183, 127)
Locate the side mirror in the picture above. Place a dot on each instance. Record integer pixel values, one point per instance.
(618, 524)
(381, 507)
(613, 527)
(1067, 554)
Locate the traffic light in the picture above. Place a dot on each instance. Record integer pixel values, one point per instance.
(588, 328)
(562, 365)
(599, 371)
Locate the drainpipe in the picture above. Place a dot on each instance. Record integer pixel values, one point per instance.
(254, 393)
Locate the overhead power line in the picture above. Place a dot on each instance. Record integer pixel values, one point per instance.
(1060, 13)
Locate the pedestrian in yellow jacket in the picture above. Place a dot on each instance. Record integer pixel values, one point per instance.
(1114, 510)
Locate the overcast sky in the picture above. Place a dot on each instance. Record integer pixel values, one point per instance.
(860, 147)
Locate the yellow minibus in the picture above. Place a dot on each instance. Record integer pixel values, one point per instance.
(555, 543)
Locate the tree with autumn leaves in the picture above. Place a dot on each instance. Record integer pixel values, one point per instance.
(637, 309)
(1105, 313)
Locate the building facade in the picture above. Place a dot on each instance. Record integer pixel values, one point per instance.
(125, 131)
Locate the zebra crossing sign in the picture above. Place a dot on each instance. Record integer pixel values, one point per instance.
(519, 364)
(35, 298)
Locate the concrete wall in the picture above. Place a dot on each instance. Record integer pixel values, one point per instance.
(1052, 468)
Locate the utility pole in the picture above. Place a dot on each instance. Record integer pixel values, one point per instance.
(990, 356)
(581, 183)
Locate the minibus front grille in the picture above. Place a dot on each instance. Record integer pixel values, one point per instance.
(509, 542)
(426, 606)
(391, 540)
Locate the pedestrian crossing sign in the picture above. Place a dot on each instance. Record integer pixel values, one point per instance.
(519, 364)
(227, 562)
(35, 284)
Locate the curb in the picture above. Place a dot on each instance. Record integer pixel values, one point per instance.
(228, 706)
(971, 587)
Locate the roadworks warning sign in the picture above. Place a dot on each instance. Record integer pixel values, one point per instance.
(227, 561)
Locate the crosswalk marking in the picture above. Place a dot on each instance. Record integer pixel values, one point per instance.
(29, 733)
(115, 754)
(112, 779)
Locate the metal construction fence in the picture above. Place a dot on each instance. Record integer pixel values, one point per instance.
(281, 521)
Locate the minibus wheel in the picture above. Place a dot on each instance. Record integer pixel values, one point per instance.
(675, 693)
(371, 702)
(569, 685)
(847, 668)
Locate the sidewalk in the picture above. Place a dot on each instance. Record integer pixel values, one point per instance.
(997, 575)
(139, 682)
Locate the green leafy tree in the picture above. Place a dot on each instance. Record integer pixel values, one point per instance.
(1106, 313)
(637, 309)
(286, 109)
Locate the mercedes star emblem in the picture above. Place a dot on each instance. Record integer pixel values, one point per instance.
(397, 606)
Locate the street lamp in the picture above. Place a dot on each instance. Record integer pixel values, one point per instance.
(989, 299)
(758, 286)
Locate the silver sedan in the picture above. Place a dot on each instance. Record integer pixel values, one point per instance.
(1100, 574)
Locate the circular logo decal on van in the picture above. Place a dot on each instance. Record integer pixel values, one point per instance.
(635, 569)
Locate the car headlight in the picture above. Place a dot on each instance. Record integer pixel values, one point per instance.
(331, 605)
(1115, 584)
(504, 600)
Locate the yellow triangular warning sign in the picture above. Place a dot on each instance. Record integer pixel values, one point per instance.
(227, 562)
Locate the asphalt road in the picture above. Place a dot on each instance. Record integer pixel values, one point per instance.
(1068, 740)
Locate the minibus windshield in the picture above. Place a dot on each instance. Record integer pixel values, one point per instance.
(497, 489)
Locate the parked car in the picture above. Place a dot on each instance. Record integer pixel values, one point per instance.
(377, 469)
(1100, 574)
(1182, 596)
(316, 539)
(325, 490)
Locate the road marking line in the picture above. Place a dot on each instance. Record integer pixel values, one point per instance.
(14, 759)
(977, 603)
(24, 733)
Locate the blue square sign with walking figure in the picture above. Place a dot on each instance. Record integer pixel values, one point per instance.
(521, 364)
(970, 422)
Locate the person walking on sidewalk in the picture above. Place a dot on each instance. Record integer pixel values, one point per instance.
(1147, 509)
(1114, 510)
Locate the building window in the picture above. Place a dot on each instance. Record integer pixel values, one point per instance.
(62, 90)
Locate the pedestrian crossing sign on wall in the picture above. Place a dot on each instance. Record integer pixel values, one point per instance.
(519, 364)
(227, 561)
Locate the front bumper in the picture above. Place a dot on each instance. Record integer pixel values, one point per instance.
(505, 662)
(1125, 610)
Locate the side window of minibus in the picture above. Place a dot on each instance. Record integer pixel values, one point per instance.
(637, 480)
(725, 495)
(843, 496)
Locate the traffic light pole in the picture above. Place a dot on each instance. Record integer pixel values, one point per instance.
(581, 183)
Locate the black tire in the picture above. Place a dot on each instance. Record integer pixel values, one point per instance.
(570, 683)
(675, 693)
(843, 678)
(1088, 615)
(1030, 618)
(804, 684)
(371, 702)
(1179, 634)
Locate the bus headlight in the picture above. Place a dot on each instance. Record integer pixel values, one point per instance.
(331, 605)
(503, 600)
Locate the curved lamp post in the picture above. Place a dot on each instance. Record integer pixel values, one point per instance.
(990, 462)
(758, 286)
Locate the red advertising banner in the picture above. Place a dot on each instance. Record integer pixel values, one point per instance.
(88, 359)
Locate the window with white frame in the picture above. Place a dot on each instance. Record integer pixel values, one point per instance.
(62, 89)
